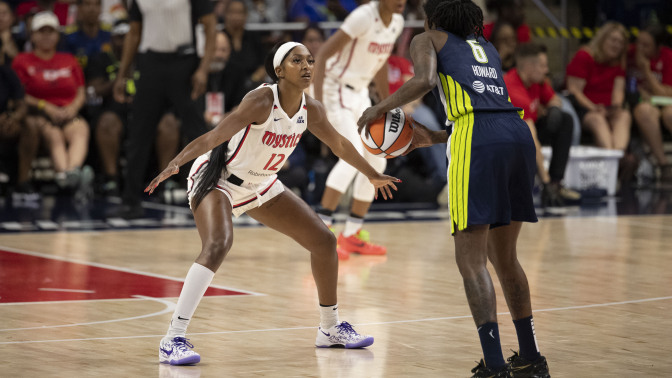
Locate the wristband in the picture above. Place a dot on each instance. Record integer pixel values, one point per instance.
(41, 105)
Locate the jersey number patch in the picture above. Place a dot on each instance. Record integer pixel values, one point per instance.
(274, 167)
(479, 53)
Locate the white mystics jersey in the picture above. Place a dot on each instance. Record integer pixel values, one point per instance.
(259, 151)
(369, 48)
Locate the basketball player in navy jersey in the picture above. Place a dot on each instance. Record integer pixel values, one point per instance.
(235, 172)
(490, 173)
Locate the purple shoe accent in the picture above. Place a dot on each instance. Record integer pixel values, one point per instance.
(364, 343)
(186, 361)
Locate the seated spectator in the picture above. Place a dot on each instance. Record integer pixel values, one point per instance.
(110, 126)
(246, 46)
(88, 36)
(59, 8)
(511, 12)
(8, 45)
(596, 83)
(652, 65)
(265, 11)
(14, 129)
(504, 39)
(54, 85)
(226, 82)
(529, 89)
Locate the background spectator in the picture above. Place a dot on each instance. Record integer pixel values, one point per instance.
(503, 37)
(596, 82)
(247, 49)
(54, 85)
(530, 89)
(59, 8)
(511, 12)
(170, 75)
(110, 127)
(226, 82)
(14, 130)
(8, 45)
(651, 63)
(88, 36)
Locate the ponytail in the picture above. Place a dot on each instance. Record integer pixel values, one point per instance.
(211, 174)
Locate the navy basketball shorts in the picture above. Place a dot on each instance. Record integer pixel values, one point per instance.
(490, 171)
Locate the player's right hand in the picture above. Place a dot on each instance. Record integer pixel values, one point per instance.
(384, 183)
(172, 169)
(421, 136)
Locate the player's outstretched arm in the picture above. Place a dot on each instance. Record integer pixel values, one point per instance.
(255, 108)
(319, 125)
(424, 64)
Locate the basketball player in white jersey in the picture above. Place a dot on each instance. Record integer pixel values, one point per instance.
(235, 172)
(347, 62)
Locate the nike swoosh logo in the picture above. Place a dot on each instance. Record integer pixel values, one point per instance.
(181, 318)
(326, 333)
(520, 367)
(167, 352)
(276, 119)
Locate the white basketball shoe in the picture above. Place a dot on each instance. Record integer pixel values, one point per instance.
(341, 335)
(177, 351)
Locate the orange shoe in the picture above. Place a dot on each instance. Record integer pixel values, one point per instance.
(342, 253)
(359, 243)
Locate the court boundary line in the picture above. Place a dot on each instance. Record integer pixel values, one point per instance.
(553, 309)
(117, 268)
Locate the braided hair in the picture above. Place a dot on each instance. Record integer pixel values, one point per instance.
(459, 17)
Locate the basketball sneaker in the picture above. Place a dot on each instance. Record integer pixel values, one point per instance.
(177, 351)
(523, 368)
(482, 371)
(359, 243)
(342, 253)
(342, 335)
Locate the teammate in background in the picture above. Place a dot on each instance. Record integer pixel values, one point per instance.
(345, 65)
(490, 173)
(231, 177)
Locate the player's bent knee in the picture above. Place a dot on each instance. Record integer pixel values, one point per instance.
(324, 242)
(215, 250)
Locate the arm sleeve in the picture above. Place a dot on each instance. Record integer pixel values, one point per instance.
(547, 92)
(134, 13)
(580, 65)
(200, 8)
(357, 23)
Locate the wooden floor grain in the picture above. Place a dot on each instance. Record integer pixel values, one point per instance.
(601, 290)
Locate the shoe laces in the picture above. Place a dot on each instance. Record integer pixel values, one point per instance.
(479, 367)
(363, 235)
(345, 327)
(182, 344)
(513, 358)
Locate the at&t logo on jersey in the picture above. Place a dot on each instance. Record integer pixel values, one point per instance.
(300, 120)
(480, 88)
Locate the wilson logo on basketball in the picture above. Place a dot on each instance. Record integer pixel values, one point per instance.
(389, 136)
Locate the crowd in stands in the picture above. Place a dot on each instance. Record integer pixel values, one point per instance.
(60, 83)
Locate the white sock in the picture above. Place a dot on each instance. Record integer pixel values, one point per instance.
(352, 225)
(195, 284)
(327, 219)
(328, 316)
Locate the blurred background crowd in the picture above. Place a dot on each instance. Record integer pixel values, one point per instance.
(73, 122)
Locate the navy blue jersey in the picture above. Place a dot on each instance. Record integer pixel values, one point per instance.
(470, 77)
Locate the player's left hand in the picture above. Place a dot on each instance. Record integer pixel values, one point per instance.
(199, 82)
(383, 183)
(371, 114)
(172, 169)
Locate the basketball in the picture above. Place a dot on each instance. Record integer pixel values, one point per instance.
(390, 135)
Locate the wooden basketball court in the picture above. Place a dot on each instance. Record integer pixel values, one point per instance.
(601, 289)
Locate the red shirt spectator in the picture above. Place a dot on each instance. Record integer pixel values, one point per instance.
(60, 10)
(399, 71)
(661, 65)
(530, 97)
(55, 80)
(599, 77)
(522, 32)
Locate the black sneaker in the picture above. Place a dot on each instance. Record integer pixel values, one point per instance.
(482, 371)
(551, 200)
(523, 368)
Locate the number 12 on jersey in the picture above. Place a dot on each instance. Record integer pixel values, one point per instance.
(479, 53)
(274, 167)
